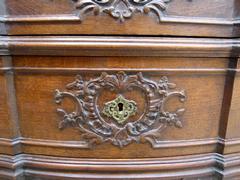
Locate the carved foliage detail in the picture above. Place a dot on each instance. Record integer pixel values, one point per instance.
(94, 127)
(121, 9)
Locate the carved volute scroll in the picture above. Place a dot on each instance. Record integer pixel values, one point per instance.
(121, 9)
(93, 123)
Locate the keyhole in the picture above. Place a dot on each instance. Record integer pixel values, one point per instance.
(120, 106)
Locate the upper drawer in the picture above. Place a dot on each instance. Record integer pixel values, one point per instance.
(215, 18)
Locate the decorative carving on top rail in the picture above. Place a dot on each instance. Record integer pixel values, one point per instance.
(121, 9)
(110, 124)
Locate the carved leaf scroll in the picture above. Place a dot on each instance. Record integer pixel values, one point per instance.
(121, 9)
(93, 125)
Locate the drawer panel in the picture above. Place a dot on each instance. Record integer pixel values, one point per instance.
(6, 125)
(234, 114)
(5, 129)
(201, 79)
(161, 17)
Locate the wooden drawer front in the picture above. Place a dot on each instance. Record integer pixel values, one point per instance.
(4, 125)
(159, 17)
(5, 131)
(7, 126)
(234, 114)
(37, 79)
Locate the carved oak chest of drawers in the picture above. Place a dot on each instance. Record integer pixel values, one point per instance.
(119, 89)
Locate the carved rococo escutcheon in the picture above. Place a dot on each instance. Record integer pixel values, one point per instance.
(115, 122)
(121, 9)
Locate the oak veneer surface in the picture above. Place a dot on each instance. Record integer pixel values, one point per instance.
(172, 64)
(234, 112)
(37, 106)
(4, 112)
(174, 18)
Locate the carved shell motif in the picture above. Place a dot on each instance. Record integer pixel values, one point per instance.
(121, 130)
(121, 9)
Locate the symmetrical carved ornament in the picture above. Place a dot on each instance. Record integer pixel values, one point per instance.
(121, 9)
(121, 130)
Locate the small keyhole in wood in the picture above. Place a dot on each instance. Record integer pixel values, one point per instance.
(120, 106)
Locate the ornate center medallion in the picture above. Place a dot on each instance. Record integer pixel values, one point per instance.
(121, 9)
(96, 128)
(120, 109)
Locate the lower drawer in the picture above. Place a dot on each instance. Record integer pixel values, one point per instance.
(115, 107)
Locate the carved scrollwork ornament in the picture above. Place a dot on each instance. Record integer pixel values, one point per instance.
(121, 9)
(92, 123)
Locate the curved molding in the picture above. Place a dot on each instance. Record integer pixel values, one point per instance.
(204, 165)
(119, 46)
(81, 144)
(75, 18)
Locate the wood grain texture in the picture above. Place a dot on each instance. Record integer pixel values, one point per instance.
(188, 9)
(198, 18)
(4, 113)
(118, 46)
(5, 125)
(44, 44)
(40, 107)
(182, 167)
(234, 114)
(33, 71)
(16, 146)
(8, 114)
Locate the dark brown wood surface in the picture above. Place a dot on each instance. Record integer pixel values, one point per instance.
(195, 45)
(180, 18)
(234, 112)
(40, 107)
(5, 124)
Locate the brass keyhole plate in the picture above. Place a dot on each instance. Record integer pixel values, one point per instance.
(120, 109)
